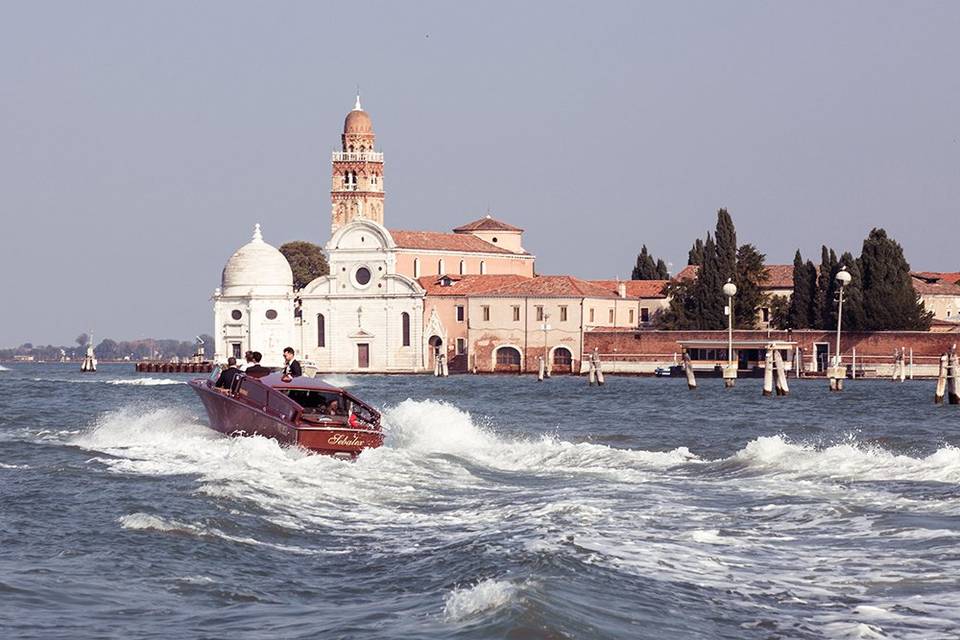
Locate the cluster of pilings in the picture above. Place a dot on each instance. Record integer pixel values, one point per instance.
(595, 373)
(948, 381)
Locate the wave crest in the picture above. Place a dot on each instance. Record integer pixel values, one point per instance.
(486, 595)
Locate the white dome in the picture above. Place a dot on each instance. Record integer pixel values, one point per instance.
(259, 266)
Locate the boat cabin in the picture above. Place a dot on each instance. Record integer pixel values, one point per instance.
(750, 355)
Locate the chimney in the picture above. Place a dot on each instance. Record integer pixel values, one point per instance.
(622, 289)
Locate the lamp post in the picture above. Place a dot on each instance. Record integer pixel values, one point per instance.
(546, 328)
(730, 371)
(838, 374)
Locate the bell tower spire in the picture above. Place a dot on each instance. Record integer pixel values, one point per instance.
(357, 189)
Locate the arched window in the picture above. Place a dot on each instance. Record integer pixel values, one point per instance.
(321, 330)
(463, 267)
(562, 357)
(416, 267)
(483, 268)
(405, 321)
(441, 268)
(508, 359)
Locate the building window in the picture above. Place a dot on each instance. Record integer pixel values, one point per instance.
(441, 268)
(539, 309)
(459, 313)
(235, 347)
(405, 321)
(362, 276)
(766, 314)
(631, 317)
(483, 267)
(463, 267)
(563, 313)
(644, 314)
(562, 358)
(461, 346)
(271, 314)
(508, 356)
(516, 313)
(486, 313)
(416, 267)
(611, 316)
(236, 314)
(321, 330)
(591, 315)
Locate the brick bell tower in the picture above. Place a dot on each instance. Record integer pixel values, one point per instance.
(357, 191)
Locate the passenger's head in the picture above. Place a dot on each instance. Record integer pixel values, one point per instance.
(257, 356)
(231, 361)
(248, 356)
(288, 354)
(333, 406)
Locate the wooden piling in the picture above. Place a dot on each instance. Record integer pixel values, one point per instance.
(782, 388)
(953, 383)
(768, 373)
(540, 369)
(596, 357)
(941, 380)
(688, 369)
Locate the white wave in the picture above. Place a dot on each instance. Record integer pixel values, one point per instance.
(849, 461)
(13, 466)
(145, 382)
(338, 380)
(484, 596)
(3, 368)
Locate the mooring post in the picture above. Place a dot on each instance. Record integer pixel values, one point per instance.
(853, 366)
(782, 388)
(596, 356)
(911, 363)
(540, 369)
(444, 368)
(592, 373)
(768, 373)
(954, 384)
(941, 380)
(688, 369)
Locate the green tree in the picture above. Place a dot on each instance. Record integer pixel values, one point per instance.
(889, 299)
(853, 314)
(695, 256)
(707, 290)
(306, 260)
(648, 269)
(751, 275)
(107, 350)
(823, 307)
(680, 312)
(800, 314)
(726, 235)
(780, 312)
(82, 340)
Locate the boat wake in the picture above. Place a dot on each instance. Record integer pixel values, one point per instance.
(3, 368)
(467, 602)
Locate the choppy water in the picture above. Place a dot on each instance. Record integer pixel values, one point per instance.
(499, 507)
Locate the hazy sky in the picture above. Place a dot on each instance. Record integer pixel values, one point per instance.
(140, 142)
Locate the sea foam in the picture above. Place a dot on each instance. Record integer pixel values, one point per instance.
(486, 595)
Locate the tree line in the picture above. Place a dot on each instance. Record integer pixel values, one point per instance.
(109, 349)
(879, 297)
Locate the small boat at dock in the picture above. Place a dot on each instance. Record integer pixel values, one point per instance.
(305, 412)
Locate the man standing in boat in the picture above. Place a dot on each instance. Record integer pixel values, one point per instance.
(225, 381)
(256, 370)
(292, 369)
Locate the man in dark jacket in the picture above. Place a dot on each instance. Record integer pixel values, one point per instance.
(225, 381)
(292, 368)
(256, 370)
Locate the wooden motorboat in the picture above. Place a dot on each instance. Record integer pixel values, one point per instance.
(302, 411)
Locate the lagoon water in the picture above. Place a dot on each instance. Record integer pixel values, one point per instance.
(498, 508)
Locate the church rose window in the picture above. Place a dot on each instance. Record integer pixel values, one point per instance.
(362, 276)
(271, 314)
(236, 314)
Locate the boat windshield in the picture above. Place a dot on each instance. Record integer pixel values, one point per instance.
(318, 402)
(215, 374)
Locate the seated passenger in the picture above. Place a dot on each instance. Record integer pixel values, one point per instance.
(333, 408)
(225, 381)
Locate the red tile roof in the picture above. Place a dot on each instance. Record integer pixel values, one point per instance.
(552, 287)
(935, 286)
(689, 272)
(436, 241)
(949, 277)
(467, 285)
(486, 223)
(635, 288)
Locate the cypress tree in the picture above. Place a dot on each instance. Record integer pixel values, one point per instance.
(726, 245)
(662, 273)
(647, 269)
(801, 302)
(708, 290)
(696, 253)
(824, 313)
(889, 299)
(853, 315)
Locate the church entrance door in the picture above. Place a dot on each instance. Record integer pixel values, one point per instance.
(363, 355)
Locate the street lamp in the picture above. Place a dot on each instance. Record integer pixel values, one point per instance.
(546, 328)
(730, 372)
(843, 277)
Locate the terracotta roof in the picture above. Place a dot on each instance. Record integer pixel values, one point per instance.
(934, 286)
(779, 276)
(948, 277)
(436, 241)
(486, 223)
(552, 287)
(635, 288)
(466, 285)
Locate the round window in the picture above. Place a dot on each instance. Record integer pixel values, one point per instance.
(271, 314)
(235, 314)
(363, 276)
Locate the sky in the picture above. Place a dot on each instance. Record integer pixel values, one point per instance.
(141, 141)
